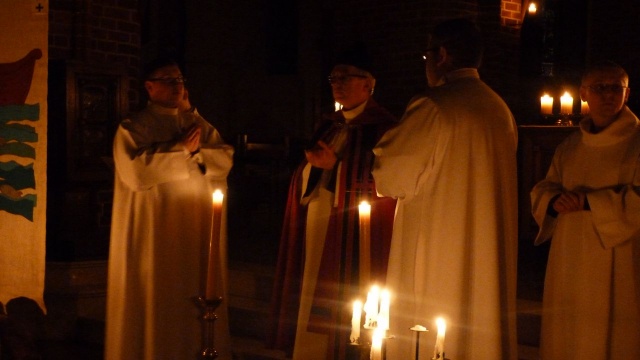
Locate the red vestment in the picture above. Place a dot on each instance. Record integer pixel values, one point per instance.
(338, 280)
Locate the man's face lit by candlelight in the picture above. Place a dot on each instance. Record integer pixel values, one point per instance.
(351, 86)
(606, 92)
(166, 86)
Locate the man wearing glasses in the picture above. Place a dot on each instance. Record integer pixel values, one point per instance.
(321, 220)
(589, 203)
(168, 161)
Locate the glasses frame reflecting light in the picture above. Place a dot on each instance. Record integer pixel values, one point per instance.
(343, 78)
(600, 89)
(426, 52)
(169, 80)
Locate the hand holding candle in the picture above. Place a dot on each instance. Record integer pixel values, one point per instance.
(214, 245)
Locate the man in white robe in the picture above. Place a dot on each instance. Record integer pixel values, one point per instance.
(168, 162)
(589, 203)
(452, 165)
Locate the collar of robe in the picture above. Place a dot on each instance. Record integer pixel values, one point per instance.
(462, 73)
(622, 128)
(159, 109)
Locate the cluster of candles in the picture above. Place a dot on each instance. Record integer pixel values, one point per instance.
(376, 318)
(376, 310)
(566, 104)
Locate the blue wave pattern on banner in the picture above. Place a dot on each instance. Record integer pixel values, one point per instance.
(13, 141)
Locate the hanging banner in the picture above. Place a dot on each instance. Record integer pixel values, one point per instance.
(23, 148)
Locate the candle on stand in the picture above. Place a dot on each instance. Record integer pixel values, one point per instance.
(584, 107)
(566, 103)
(376, 344)
(214, 244)
(355, 321)
(383, 315)
(438, 351)
(371, 307)
(546, 104)
(364, 214)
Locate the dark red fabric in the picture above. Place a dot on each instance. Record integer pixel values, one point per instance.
(288, 277)
(338, 280)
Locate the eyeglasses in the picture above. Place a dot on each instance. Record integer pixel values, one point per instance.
(426, 52)
(170, 80)
(607, 88)
(343, 78)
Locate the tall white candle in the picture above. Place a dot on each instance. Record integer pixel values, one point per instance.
(566, 103)
(364, 214)
(438, 351)
(371, 306)
(546, 104)
(214, 244)
(376, 344)
(383, 315)
(355, 321)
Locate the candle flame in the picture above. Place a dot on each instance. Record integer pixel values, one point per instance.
(533, 8)
(217, 196)
(364, 207)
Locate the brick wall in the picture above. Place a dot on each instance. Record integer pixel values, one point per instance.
(511, 12)
(397, 33)
(97, 32)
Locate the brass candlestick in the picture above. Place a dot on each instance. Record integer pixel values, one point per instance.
(209, 318)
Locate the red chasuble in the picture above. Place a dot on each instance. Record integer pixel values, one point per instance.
(338, 281)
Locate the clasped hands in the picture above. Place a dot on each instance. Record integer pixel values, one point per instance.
(569, 201)
(323, 157)
(191, 137)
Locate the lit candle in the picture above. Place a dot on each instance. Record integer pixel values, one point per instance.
(584, 107)
(338, 106)
(214, 244)
(566, 103)
(376, 344)
(546, 104)
(364, 213)
(355, 321)
(371, 307)
(383, 315)
(533, 9)
(442, 328)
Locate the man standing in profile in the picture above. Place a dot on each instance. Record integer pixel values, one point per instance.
(451, 163)
(168, 162)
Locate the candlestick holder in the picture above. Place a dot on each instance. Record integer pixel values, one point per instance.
(358, 351)
(418, 329)
(209, 318)
(564, 120)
